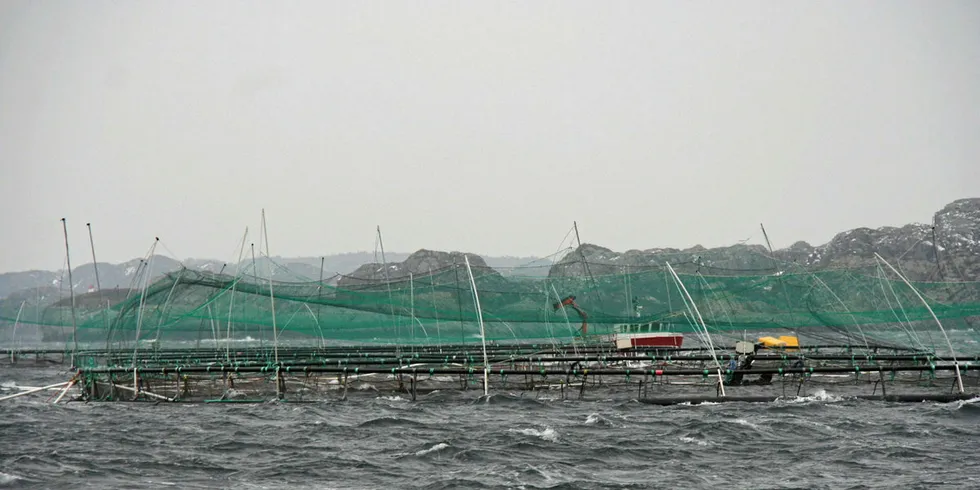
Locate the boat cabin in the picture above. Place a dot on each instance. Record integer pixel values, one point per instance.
(647, 334)
(639, 327)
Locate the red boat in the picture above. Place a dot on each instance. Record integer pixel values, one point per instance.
(630, 335)
(649, 334)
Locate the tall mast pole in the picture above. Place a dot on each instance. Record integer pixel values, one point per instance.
(71, 292)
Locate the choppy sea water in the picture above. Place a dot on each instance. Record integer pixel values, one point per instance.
(454, 439)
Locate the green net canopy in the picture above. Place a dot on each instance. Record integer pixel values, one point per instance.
(439, 306)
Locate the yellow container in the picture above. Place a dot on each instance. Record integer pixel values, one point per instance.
(791, 342)
(770, 342)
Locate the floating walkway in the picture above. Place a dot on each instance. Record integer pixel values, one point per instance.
(576, 371)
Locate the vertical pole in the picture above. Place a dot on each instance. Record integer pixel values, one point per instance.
(91, 241)
(214, 332)
(163, 311)
(139, 312)
(772, 258)
(956, 364)
(20, 310)
(319, 293)
(435, 307)
(483, 336)
(459, 304)
(841, 303)
(721, 382)
(391, 305)
(231, 299)
(71, 291)
(411, 296)
(278, 382)
(255, 274)
(134, 283)
(595, 286)
(37, 302)
(61, 297)
(630, 308)
(272, 297)
(98, 286)
(766, 236)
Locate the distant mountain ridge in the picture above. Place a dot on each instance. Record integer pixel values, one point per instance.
(948, 249)
(29, 284)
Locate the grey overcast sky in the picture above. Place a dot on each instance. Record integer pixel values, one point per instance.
(479, 126)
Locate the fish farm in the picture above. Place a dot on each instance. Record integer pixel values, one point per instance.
(672, 331)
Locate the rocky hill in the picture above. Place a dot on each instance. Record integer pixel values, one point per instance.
(419, 263)
(52, 285)
(948, 249)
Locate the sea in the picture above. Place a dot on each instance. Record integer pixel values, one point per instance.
(461, 439)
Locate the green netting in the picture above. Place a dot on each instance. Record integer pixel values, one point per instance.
(858, 305)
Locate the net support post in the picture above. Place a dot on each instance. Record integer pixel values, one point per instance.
(483, 335)
(956, 364)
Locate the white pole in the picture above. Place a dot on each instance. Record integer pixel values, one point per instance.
(721, 382)
(317, 323)
(411, 295)
(166, 303)
(231, 300)
(255, 274)
(14, 335)
(435, 307)
(841, 302)
(483, 336)
(214, 332)
(139, 312)
(272, 298)
(71, 291)
(98, 284)
(319, 299)
(64, 392)
(391, 305)
(910, 331)
(956, 364)
(35, 390)
(143, 392)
